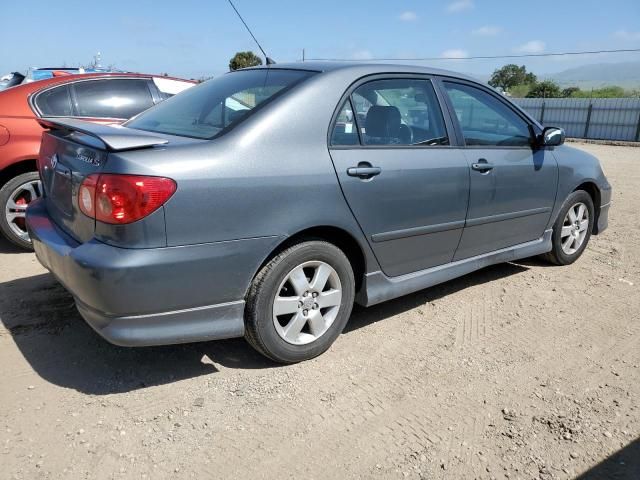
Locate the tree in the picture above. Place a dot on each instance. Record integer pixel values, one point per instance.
(569, 92)
(546, 89)
(511, 75)
(244, 60)
(520, 91)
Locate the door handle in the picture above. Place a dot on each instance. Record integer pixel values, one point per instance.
(482, 165)
(364, 170)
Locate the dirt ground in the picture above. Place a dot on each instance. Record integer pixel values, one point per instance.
(521, 370)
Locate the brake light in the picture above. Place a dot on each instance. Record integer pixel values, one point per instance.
(120, 199)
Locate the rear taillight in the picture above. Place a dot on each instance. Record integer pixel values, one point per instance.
(120, 199)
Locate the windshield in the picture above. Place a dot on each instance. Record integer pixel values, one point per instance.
(207, 109)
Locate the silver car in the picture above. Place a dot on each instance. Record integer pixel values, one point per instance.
(267, 201)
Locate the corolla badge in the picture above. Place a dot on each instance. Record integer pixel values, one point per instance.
(54, 161)
(88, 158)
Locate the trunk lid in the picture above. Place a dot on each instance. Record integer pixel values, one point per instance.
(72, 150)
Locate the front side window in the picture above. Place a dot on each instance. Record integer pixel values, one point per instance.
(206, 110)
(113, 98)
(399, 112)
(485, 120)
(55, 102)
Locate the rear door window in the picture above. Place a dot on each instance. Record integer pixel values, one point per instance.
(55, 102)
(344, 130)
(398, 111)
(112, 98)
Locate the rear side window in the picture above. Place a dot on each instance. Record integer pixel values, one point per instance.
(210, 108)
(403, 112)
(485, 120)
(55, 102)
(345, 130)
(113, 98)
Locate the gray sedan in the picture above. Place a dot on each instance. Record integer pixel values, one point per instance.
(267, 201)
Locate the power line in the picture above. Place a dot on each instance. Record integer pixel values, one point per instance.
(478, 57)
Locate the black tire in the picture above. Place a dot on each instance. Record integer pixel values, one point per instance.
(557, 255)
(260, 330)
(5, 192)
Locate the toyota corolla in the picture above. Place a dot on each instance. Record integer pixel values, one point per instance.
(267, 201)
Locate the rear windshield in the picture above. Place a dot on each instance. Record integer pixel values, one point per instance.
(209, 109)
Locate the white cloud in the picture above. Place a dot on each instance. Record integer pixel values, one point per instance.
(460, 6)
(487, 31)
(455, 53)
(627, 36)
(408, 16)
(534, 46)
(362, 55)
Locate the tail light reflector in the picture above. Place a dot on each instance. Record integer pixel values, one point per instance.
(120, 199)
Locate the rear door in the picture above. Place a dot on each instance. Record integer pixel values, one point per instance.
(513, 185)
(407, 186)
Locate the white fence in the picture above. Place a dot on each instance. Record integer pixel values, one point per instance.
(597, 118)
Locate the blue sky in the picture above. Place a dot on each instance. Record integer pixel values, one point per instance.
(196, 38)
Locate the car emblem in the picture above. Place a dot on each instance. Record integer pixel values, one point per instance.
(54, 161)
(88, 158)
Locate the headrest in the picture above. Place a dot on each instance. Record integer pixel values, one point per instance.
(383, 121)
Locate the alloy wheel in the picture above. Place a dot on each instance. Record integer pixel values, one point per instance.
(574, 228)
(307, 302)
(16, 207)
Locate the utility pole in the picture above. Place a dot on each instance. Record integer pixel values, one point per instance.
(303, 54)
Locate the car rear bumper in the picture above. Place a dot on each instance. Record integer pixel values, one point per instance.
(155, 296)
(214, 322)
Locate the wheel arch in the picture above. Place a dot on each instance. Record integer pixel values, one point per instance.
(17, 168)
(594, 192)
(337, 236)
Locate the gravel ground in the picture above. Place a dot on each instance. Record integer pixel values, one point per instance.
(521, 370)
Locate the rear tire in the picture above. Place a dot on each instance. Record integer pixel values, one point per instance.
(300, 302)
(572, 229)
(15, 195)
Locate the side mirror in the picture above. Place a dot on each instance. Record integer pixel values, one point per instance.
(552, 137)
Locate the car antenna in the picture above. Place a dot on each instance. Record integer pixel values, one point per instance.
(269, 60)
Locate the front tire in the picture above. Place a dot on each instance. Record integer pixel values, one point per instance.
(572, 229)
(15, 196)
(300, 302)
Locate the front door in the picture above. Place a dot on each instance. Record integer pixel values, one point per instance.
(513, 186)
(406, 186)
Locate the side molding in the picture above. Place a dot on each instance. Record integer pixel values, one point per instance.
(379, 288)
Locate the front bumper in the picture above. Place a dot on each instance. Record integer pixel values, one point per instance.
(602, 220)
(155, 296)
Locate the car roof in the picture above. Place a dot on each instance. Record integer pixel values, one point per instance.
(367, 67)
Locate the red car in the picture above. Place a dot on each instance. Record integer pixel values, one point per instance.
(102, 98)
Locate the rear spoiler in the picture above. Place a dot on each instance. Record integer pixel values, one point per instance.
(114, 137)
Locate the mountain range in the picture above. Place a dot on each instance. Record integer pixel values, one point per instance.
(623, 74)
